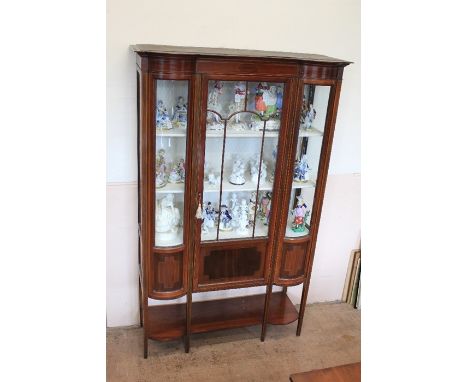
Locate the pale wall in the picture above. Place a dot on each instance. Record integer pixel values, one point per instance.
(330, 27)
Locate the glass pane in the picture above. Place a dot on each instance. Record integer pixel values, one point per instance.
(171, 128)
(242, 130)
(312, 125)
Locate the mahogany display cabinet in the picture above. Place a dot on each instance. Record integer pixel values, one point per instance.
(233, 154)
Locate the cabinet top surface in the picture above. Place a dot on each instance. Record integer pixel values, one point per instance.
(226, 52)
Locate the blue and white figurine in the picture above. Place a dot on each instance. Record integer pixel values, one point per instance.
(209, 215)
(225, 219)
(301, 170)
(162, 117)
(180, 114)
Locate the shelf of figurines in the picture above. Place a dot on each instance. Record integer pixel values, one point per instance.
(178, 132)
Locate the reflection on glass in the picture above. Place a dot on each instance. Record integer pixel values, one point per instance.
(312, 125)
(239, 173)
(171, 130)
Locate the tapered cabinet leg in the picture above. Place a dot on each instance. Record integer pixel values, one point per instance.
(187, 343)
(188, 322)
(305, 290)
(145, 347)
(266, 313)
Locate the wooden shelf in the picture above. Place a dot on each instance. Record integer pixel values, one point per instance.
(167, 322)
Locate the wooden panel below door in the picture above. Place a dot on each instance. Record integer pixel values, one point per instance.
(167, 272)
(293, 260)
(223, 263)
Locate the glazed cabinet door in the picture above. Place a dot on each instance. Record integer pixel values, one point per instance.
(241, 134)
(295, 249)
(171, 122)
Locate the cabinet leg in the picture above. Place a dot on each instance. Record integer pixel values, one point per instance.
(187, 343)
(265, 313)
(145, 347)
(305, 291)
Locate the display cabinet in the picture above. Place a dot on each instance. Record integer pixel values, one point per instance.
(233, 153)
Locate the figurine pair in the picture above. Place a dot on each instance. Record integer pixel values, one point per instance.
(179, 118)
(176, 174)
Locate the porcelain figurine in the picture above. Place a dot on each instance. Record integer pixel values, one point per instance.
(177, 174)
(269, 97)
(243, 220)
(181, 169)
(161, 168)
(180, 115)
(265, 207)
(310, 117)
(239, 98)
(254, 170)
(214, 95)
(238, 169)
(279, 99)
(167, 218)
(209, 215)
(162, 117)
(301, 170)
(225, 219)
(213, 179)
(253, 197)
(213, 121)
(234, 210)
(260, 105)
(304, 110)
(235, 123)
(300, 213)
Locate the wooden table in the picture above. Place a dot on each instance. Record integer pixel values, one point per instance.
(344, 373)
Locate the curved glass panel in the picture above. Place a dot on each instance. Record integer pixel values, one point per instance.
(171, 131)
(242, 130)
(309, 145)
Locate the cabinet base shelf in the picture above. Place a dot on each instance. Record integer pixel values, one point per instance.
(167, 322)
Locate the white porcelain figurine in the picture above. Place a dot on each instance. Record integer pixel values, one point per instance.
(243, 220)
(167, 218)
(238, 169)
(255, 168)
(214, 95)
(234, 210)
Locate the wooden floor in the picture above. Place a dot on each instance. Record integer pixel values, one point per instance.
(330, 337)
(344, 373)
